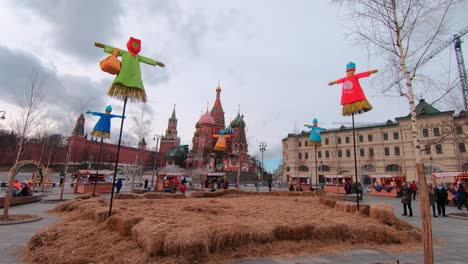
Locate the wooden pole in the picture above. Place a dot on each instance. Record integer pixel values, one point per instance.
(355, 163)
(118, 153)
(98, 165)
(316, 171)
(100, 45)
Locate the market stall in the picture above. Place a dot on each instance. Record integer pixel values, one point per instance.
(337, 183)
(86, 179)
(163, 182)
(303, 184)
(210, 178)
(388, 185)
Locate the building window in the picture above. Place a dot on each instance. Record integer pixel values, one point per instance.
(299, 144)
(385, 136)
(338, 140)
(436, 132)
(319, 154)
(461, 147)
(340, 153)
(300, 155)
(387, 151)
(427, 149)
(459, 130)
(393, 167)
(324, 168)
(369, 138)
(396, 136)
(303, 168)
(425, 132)
(348, 153)
(327, 154)
(361, 138)
(361, 153)
(306, 155)
(438, 149)
(347, 140)
(306, 143)
(286, 145)
(397, 151)
(326, 141)
(287, 168)
(371, 152)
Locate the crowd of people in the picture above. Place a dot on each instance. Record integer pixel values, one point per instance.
(171, 184)
(438, 197)
(217, 183)
(22, 189)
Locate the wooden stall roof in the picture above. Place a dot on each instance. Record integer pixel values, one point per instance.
(103, 172)
(337, 176)
(386, 176)
(450, 174)
(215, 174)
(171, 174)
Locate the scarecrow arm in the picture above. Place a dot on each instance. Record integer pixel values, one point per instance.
(365, 74)
(306, 125)
(94, 113)
(119, 116)
(337, 81)
(151, 61)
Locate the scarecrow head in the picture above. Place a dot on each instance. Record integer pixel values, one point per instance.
(108, 109)
(314, 123)
(134, 46)
(221, 132)
(350, 68)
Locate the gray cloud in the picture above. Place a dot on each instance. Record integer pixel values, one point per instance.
(63, 93)
(78, 24)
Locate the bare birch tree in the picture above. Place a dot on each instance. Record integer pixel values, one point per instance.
(403, 31)
(31, 111)
(141, 128)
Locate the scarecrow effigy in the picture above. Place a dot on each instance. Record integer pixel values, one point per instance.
(316, 141)
(353, 99)
(101, 130)
(220, 147)
(102, 127)
(354, 102)
(128, 84)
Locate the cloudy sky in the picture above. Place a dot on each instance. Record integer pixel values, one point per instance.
(272, 58)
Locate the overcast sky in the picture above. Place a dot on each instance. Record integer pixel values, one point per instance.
(273, 58)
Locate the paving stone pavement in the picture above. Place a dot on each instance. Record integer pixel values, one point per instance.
(451, 233)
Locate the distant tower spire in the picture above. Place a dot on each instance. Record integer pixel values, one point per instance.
(79, 127)
(217, 111)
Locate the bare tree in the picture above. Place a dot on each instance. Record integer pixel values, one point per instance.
(31, 111)
(141, 128)
(404, 32)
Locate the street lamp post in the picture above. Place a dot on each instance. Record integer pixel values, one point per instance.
(262, 147)
(156, 137)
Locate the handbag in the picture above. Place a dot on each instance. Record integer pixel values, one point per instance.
(111, 64)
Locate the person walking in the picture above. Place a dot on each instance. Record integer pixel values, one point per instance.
(415, 189)
(461, 197)
(146, 184)
(441, 195)
(118, 185)
(432, 198)
(406, 199)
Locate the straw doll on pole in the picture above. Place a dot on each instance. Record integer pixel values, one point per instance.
(128, 84)
(353, 101)
(220, 146)
(102, 130)
(316, 141)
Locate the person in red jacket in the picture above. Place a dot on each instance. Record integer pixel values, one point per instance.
(415, 189)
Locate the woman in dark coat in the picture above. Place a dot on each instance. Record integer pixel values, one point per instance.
(432, 198)
(406, 199)
(441, 195)
(461, 197)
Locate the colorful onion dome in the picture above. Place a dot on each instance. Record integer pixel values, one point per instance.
(238, 121)
(206, 119)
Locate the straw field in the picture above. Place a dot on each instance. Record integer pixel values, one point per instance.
(212, 229)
